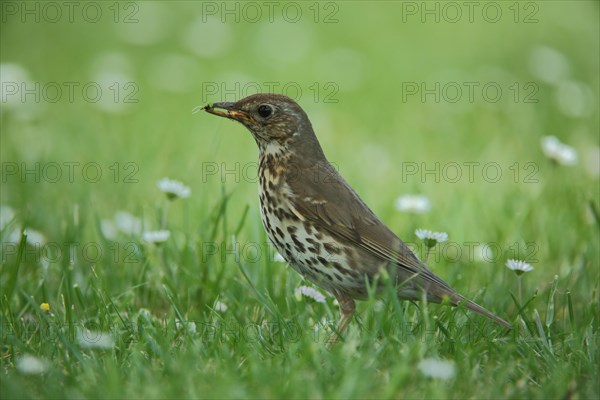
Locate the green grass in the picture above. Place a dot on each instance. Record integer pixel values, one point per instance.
(155, 307)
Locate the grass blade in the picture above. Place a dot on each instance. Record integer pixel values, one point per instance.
(550, 307)
(571, 313)
(14, 271)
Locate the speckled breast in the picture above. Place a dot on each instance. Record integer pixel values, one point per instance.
(312, 253)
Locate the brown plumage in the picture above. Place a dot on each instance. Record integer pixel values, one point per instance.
(317, 221)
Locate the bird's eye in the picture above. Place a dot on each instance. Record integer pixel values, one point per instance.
(265, 110)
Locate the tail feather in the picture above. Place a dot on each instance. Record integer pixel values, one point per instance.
(437, 290)
(442, 290)
(458, 299)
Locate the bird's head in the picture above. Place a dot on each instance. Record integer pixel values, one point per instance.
(272, 118)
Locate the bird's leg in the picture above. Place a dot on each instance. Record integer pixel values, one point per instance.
(347, 307)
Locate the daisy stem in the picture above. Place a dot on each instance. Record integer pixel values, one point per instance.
(163, 261)
(520, 291)
(427, 254)
(165, 215)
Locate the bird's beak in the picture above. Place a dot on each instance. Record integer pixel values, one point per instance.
(227, 110)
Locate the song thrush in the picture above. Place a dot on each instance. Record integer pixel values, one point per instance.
(317, 222)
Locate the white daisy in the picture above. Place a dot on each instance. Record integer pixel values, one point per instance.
(413, 203)
(431, 238)
(128, 223)
(108, 229)
(311, 293)
(438, 369)
(559, 152)
(379, 305)
(174, 189)
(519, 266)
(191, 325)
(31, 365)
(88, 339)
(221, 307)
(156, 237)
(34, 238)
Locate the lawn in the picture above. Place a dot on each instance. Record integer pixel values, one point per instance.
(111, 288)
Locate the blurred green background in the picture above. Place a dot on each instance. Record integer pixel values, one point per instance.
(368, 53)
(103, 93)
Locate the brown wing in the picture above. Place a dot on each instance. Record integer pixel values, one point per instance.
(323, 197)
